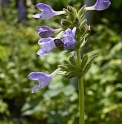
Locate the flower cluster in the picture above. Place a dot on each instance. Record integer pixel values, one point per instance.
(65, 39)
(48, 44)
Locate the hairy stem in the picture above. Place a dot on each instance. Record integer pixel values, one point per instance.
(81, 92)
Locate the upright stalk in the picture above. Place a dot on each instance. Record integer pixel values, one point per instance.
(81, 92)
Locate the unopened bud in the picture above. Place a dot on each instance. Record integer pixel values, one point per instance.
(72, 10)
(65, 22)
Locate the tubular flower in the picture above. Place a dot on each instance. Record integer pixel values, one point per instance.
(47, 44)
(68, 40)
(45, 31)
(47, 12)
(44, 79)
(99, 5)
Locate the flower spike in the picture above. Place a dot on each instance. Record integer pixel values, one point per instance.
(99, 5)
(47, 12)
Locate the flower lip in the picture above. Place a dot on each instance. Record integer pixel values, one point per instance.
(47, 11)
(44, 80)
(47, 44)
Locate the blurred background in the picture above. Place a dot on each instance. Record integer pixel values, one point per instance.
(58, 103)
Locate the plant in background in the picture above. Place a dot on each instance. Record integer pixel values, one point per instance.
(21, 10)
(71, 37)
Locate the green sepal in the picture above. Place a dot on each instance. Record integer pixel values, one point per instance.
(64, 68)
(72, 10)
(65, 62)
(77, 46)
(81, 18)
(72, 60)
(87, 27)
(88, 66)
(71, 74)
(69, 16)
(66, 22)
(83, 42)
(81, 11)
(82, 24)
(84, 35)
(76, 21)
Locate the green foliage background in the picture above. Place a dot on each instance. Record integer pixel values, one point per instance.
(58, 103)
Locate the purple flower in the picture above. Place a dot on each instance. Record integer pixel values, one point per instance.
(99, 5)
(44, 79)
(47, 44)
(21, 10)
(47, 12)
(68, 40)
(45, 31)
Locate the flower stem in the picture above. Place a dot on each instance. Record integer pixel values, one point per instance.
(81, 92)
(55, 72)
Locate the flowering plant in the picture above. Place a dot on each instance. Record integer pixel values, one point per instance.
(72, 36)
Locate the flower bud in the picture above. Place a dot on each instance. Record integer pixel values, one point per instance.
(99, 5)
(65, 22)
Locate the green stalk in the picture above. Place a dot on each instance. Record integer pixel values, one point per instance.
(81, 92)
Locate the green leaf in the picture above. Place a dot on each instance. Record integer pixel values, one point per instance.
(65, 62)
(72, 60)
(70, 68)
(88, 66)
(71, 74)
(64, 68)
(84, 61)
